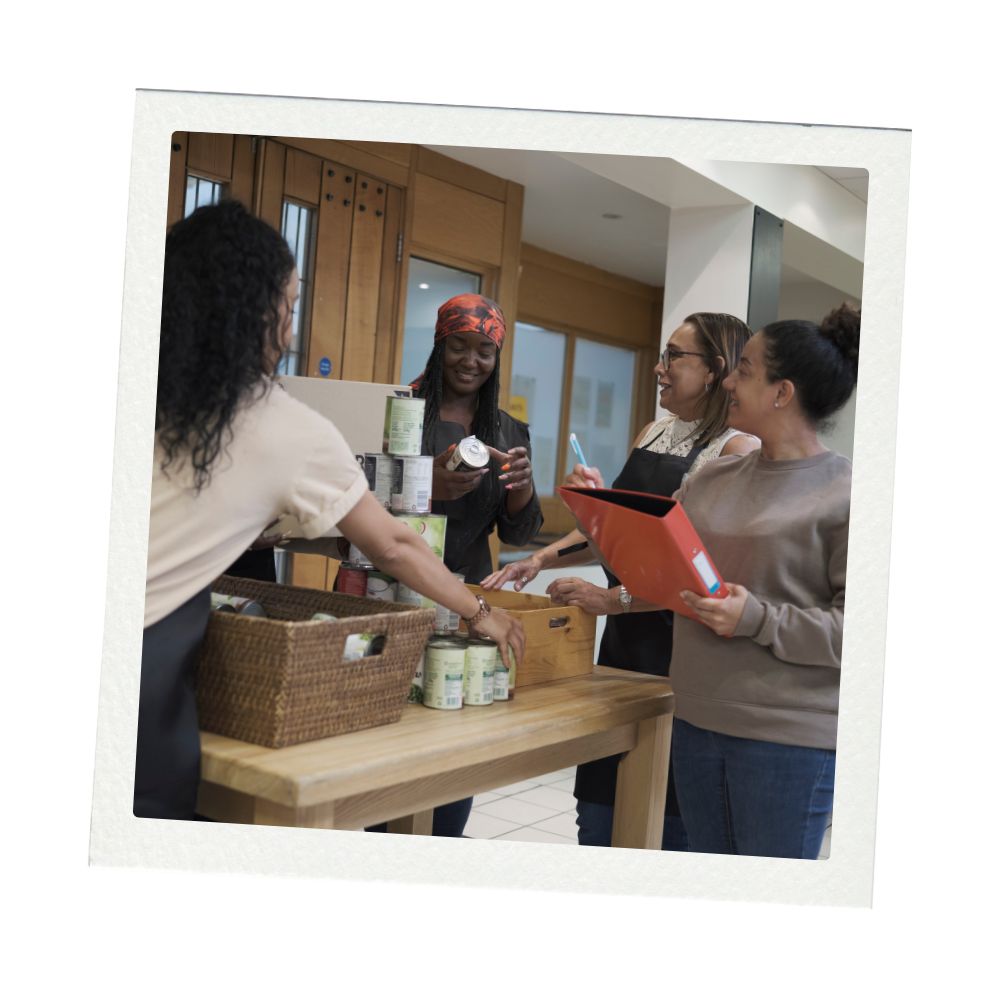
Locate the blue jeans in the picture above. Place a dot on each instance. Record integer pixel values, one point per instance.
(594, 821)
(751, 797)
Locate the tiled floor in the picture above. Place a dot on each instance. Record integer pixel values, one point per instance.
(541, 809)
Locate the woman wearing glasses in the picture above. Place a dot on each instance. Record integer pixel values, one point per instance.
(701, 352)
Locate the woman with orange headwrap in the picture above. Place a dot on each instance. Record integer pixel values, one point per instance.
(461, 384)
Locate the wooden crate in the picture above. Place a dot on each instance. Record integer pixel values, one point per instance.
(560, 639)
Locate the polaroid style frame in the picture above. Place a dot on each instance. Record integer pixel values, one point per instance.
(119, 838)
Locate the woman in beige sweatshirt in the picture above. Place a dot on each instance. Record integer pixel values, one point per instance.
(757, 689)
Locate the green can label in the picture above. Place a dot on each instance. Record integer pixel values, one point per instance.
(404, 425)
(480, 662)
(444, 674)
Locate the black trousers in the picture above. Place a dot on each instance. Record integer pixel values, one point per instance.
(168, 750)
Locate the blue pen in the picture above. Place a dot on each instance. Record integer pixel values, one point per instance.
(576, 447)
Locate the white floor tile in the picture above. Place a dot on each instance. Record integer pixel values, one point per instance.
(564, 785)
(564, 825)
(551, 798)
(483, 827)
(522, 813)
(520, 786)
(533, 835)
(478, 800)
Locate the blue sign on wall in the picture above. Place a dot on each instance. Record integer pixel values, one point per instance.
(325, 367)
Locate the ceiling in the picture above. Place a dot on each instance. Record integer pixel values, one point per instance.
(570, 209)
(855, 179)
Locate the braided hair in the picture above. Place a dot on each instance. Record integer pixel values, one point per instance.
(485, 422)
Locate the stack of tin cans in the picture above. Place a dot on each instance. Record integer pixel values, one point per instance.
(401, 479)
(456, 671)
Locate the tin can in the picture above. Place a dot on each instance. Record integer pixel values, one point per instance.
(404, 425)
(446, 620)
(357, 558)
(352, 579)
(380, 587)
(501, 682)
(444, 673)
(470, 455)
(480, 660)
(406, 595)
(512, 673)
(416, 696)
(237, 606)
(430, 527)
(503, 679)
(412, 478)
(362, 644)
(378, 471)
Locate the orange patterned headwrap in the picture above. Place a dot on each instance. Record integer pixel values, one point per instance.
(470, 313)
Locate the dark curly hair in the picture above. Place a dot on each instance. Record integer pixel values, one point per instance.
(224, 279)
(820, 361)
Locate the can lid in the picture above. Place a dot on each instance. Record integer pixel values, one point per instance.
(437, 641)
(473, 451)
(481, 642)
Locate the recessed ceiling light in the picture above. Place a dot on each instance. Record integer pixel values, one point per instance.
(610, 215)
(423, 285)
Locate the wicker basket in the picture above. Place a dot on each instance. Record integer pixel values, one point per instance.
(280, 680)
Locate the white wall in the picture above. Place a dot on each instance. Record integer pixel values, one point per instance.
(708, 264)
(812, 300)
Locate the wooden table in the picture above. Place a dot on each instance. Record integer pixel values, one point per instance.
(400, 772)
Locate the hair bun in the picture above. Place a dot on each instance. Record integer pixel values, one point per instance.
(842, 328)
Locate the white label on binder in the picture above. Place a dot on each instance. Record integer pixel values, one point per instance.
(704, 568)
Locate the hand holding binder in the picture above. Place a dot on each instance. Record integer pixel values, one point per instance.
(648, 542)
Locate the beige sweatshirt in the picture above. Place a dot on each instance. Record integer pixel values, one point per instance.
(778, 528)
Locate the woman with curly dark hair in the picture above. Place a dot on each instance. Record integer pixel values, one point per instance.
(234, 452)
(755, 729)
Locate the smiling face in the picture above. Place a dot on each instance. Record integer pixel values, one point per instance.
(469, 360)
(752, 394)
(682, 384)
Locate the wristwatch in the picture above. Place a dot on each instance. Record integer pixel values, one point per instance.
(624, 599)
(483, 612)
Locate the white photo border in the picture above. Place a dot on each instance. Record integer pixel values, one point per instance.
(120, 839)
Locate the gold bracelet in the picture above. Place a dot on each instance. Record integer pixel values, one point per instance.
(483, 612)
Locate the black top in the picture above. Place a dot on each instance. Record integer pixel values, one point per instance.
(471, 518)
(640, 640)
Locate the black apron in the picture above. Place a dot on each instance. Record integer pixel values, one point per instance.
(168, 746)
(639, 641)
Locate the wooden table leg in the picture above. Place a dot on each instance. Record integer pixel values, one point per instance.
(419, 824)
(641, 793)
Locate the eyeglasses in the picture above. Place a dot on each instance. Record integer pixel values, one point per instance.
(670, 355)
